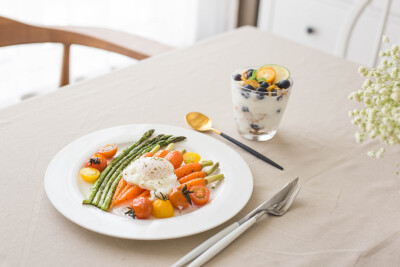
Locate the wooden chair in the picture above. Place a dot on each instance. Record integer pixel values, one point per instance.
(13, 33)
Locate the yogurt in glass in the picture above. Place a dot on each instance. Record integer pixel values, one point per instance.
(259, 100)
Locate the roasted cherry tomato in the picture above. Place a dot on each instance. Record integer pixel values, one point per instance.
(108, 151)
(191, 157)
(96, 162)
(162, 209)
(142, 207)
(100, 156)
(180, 198)
(89, 174)
(200, 195)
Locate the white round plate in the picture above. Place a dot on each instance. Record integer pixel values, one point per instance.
(66, 189)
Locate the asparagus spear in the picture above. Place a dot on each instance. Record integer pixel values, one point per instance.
(107, 200)
(103, 187)
(98, 200)
(96, 185)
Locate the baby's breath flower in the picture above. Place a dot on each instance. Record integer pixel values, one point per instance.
(385, 39)
(380, 94)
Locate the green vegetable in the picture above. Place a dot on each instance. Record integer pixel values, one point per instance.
(96, 185)
(105, 204)
(123, 164)
(97, 198)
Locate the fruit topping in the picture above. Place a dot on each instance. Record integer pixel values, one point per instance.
(274, 92)
(250, 72)
(237, 77)
(253, 83)
(282, 73)
(266, 73)
(264, 84)
(248, 86)
(283, 84)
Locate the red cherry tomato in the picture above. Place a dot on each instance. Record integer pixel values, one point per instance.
(99, 163)
(142, 206)
(200, 195)
(108, 151)
(178, 198)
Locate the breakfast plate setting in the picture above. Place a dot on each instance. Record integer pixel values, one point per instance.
(94, 180)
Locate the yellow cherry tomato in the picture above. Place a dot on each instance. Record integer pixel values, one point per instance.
(191, 157)
(162, 209)
(89, 174)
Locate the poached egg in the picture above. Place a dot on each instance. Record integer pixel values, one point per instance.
(152, 173)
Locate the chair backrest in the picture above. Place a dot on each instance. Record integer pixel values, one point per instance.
(13, 32)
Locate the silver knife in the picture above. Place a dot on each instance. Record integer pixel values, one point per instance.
(275, 200)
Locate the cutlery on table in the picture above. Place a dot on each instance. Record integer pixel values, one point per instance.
(277, 206)
(202, 123)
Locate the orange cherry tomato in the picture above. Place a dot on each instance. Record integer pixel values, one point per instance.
(108, 151)
(143, 207)
(200, 195)
(99, 163)
(178, 198)
(98, 155)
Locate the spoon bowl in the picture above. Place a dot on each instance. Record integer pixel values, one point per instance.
(199, 122)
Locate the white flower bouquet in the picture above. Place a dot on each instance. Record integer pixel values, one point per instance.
(380, 94)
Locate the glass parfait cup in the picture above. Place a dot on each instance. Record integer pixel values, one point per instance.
(258, 114)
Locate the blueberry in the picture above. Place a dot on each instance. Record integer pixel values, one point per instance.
(260, 96)
(255, 126)
(274, 92)
(245, 109)
(278, 111)
(249, 73)
(264, 84)
(237, 77)
(284, 84)
(261, 89)
(245, 94)
(248, 86)
(279, 98)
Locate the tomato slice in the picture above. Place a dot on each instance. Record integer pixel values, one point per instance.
(99, 163)
(89, 174)
(200, 195)
(108, 151)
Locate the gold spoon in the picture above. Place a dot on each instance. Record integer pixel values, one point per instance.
(202, 123)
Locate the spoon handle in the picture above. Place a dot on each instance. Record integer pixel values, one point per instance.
(252, 151)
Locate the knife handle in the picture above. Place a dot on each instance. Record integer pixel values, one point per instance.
(205, 245)
(223, 243)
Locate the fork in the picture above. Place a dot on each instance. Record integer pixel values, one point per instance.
(277, 206)
(277, 210)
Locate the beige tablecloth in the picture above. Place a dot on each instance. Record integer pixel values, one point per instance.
(348, 212)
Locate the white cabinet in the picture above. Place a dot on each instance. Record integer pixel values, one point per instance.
(318, 23)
